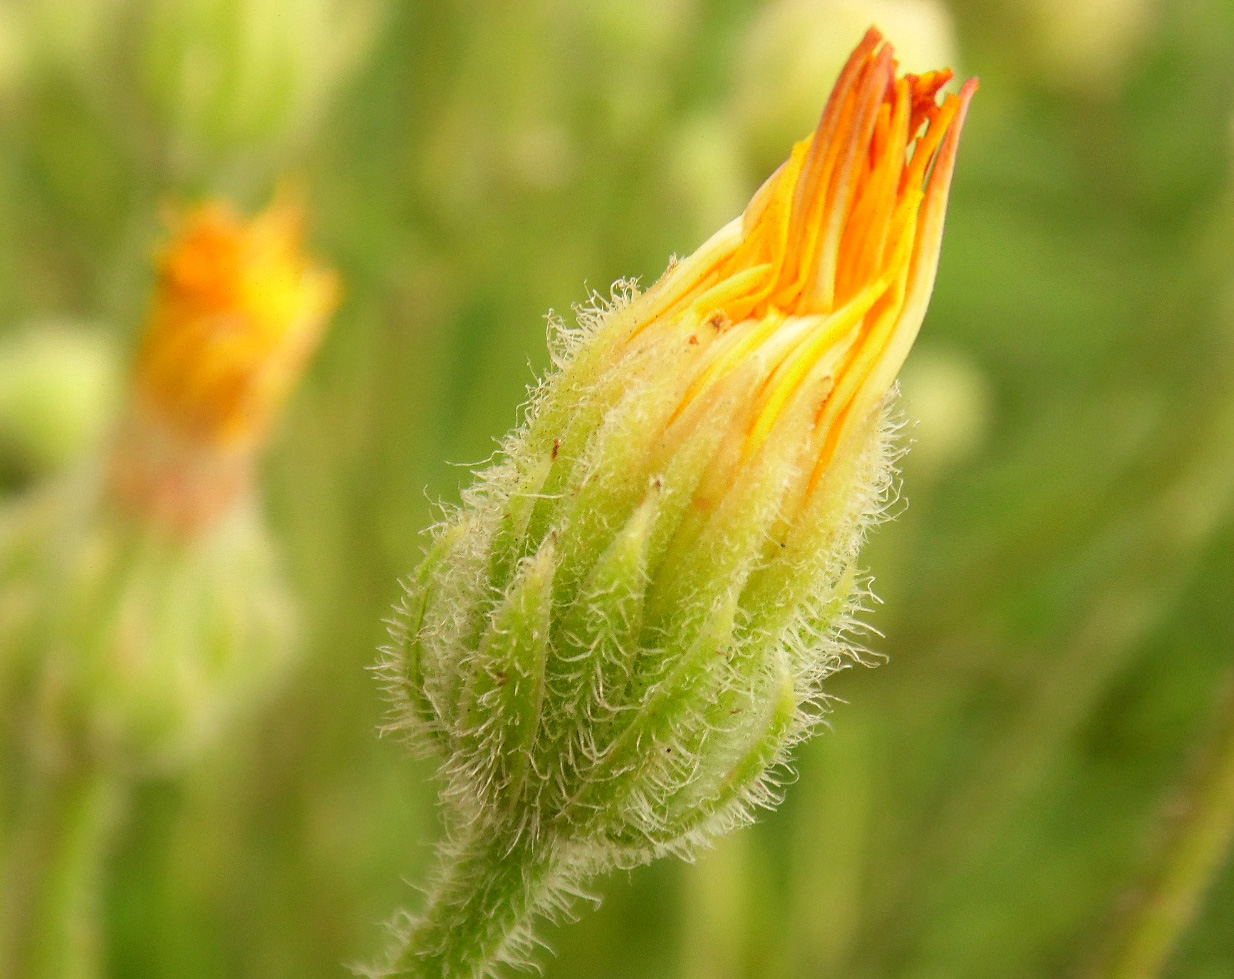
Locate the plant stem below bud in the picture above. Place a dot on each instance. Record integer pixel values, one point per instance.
(479, 915)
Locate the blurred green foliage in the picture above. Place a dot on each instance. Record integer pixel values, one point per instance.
(1058, 614)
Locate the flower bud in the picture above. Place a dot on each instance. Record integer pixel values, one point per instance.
(136, 647)
(222, 77)
(143, 599)
(616, 640)
(59, 386)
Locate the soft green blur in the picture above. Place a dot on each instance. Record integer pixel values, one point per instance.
(1058, 611)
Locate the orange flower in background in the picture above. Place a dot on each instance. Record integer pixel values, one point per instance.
(237, 311)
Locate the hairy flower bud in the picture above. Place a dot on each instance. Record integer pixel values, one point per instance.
(616, 640)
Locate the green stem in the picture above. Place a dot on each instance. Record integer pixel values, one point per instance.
(480, 913)
(53, 873)
(1193, 857)
(717, 921)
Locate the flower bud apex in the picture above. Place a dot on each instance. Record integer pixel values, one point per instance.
(615, 642)
(794, 48)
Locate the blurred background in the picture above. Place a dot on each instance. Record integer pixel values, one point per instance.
(994, 799)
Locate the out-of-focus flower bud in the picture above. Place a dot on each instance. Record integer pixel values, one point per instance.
(237, 312)
(616, 641)
(14, 53)
(706, 171)
(1086, 45)
(144, 594)
(59, 386)
(795, 48)
(223, 77)
(950, 399)
(60, 35)
(139, 645)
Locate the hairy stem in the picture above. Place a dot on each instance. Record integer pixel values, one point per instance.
(492, 886)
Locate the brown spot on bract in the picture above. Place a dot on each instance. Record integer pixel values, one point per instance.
(556, 447)
(694, 339)
(719, 321)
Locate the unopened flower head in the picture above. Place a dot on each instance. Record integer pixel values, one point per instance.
(237, 311)
(153, 604)
(616, 640)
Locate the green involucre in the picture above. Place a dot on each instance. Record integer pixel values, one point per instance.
(616, 640)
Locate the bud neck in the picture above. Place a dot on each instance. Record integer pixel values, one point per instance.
(180, 484)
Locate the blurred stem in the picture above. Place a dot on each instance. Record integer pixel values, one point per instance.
(717, 919)
(492, 885)
(831, 847)
(50, 906)
(1192, 857)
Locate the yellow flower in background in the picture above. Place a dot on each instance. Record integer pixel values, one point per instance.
(155, 600)
(237, 311)
(146, 602)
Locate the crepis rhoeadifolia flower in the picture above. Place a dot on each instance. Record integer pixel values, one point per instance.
(614, 643)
